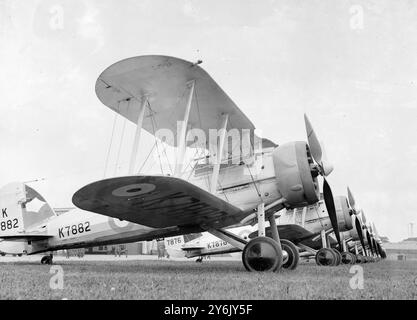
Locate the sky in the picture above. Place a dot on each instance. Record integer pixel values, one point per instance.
(350, 65)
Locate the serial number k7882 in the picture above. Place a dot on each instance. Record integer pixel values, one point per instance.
(74, 229)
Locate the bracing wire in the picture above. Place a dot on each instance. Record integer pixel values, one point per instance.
(154, 124)
(147, 157)
(121, 141)
(110, 145)
(247, 166)
(156, 143)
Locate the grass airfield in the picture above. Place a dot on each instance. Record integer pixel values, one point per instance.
(128, 278)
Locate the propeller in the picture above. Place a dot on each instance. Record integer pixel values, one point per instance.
(355, 214)
(377, 240)
(368, 237)
(376, 247)
(324, 168)
(360, 233)
(373, 241)
(352, 201)
(366, 230)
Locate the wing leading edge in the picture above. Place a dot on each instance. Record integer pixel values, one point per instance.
(163, 80)
(158, 202)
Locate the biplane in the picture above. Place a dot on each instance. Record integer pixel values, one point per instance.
(242, 178)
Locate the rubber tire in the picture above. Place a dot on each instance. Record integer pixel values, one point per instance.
(293, 254)
(46, 260)
(338, 261)
(360, 258)
(329, 253)
(247, 251)
(348, 258)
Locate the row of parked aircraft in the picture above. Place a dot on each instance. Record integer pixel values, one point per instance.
(246, 194)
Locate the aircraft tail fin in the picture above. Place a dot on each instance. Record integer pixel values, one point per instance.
(22, 209)
(173, 246)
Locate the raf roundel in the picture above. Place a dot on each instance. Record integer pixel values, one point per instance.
(119, 225)
(133, 190)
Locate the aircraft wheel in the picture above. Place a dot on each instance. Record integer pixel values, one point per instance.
(199, 259)
(326, 257)
(292, 252)
(46, 260)
(360, 258)
(338, 257)
(354, 258)
(348, 258)
(262, 254)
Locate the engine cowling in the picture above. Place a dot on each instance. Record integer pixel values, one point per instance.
(344, 219)
(293, 172)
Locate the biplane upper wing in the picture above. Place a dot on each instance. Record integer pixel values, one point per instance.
(163, 81)
(158, 202)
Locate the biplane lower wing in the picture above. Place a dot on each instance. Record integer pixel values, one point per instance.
(292, 232)
(158, 202)
(296, 234)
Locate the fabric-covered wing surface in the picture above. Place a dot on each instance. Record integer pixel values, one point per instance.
(157, 201)
(163, 80)
(292, 232)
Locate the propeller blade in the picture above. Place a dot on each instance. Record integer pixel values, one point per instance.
(371, 246)
(374, 230)
(363, 217)
(326, 165)
(351, 200)
(375, 246)
(360, 234)
(313, 142)
(331, 209)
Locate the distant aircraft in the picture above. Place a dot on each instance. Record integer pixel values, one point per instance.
(227, 189)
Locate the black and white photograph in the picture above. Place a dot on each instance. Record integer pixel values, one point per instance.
(226, 151)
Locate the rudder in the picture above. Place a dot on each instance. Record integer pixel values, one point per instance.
(22, 207)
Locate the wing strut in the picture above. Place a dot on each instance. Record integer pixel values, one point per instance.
(137, 133)
(183, 133)
(216, 168)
